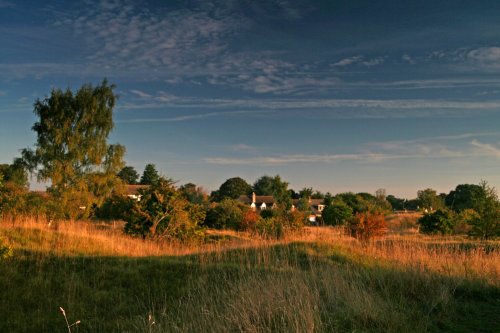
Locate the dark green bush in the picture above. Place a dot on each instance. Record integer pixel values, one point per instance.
(441, 222)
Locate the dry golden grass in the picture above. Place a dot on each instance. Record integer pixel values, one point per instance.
(318, 280)
(451, 256)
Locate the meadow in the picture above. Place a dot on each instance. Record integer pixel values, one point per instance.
(317, 280)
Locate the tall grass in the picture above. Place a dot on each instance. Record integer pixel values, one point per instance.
(316, 281)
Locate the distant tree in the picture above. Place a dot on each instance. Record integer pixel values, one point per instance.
(150, 176)
(128, 175)
(306, 192)
(72, 150)
(274, 186)
(396, 203)
(428, 199)
(465, 196)
(15, 173)
(233, 188)
(194, 194)
(337, 213)
(381, 194)
(439, 222)
(264, 185)
(486, 223)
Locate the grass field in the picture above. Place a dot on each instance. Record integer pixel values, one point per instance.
(316, 281)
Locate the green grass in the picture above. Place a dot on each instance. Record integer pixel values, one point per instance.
(295, 287)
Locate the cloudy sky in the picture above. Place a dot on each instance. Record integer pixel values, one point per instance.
(337, 95)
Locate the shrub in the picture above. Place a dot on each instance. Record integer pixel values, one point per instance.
(367, 225)
(337, 214)
(250, 219)
(441, 222)
(115, 207)
(271, 228)
(228, 214)
(164, 213)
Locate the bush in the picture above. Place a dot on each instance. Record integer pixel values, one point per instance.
(337, 214)
(271, 228)
(115, 207)
(367, 225)
(441, 222)
(163, 212)
(228, 214)
(250, 219)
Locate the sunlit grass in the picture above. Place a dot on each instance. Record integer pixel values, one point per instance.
(318, 280)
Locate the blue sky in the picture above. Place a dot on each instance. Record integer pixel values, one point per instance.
(337, 95)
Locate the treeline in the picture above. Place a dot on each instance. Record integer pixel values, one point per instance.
(89, 179)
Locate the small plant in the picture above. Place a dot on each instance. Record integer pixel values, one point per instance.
(5, 251)
(66, 319)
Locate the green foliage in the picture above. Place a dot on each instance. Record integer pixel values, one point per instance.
(271, 228)
(150, 176)
(465, 196)
(71, 149)
(233, 188)
(441, 222)
(486, 224)
(116, 207)
(163, 212)
(194, 194)
(128, 175)
(274, 186)
(15, 173)
(428, 199)
(337, 213)
(228, 214)
(396, 203)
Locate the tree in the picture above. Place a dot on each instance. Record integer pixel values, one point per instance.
(264, 185)
(396, 203)
(428, 199)
(465, 196)
(150, 176)
(15, 173)
(487, 223)
(441, 221)
(233, 188)
(274, 186)
(193, 194)
(71, 149)
(338, 213)
(128, 175)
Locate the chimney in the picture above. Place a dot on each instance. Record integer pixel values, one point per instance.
(253, 197)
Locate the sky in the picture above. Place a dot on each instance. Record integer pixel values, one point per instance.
(335, 95)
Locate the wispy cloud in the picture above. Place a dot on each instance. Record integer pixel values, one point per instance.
(184, 117)
(485, 57)
(486, 148)
(328, 158)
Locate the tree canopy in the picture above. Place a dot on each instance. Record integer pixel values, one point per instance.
(71, 150)
(129, 175)
(267, 185)
(233, 188)
(465, 196)
(150, 176)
